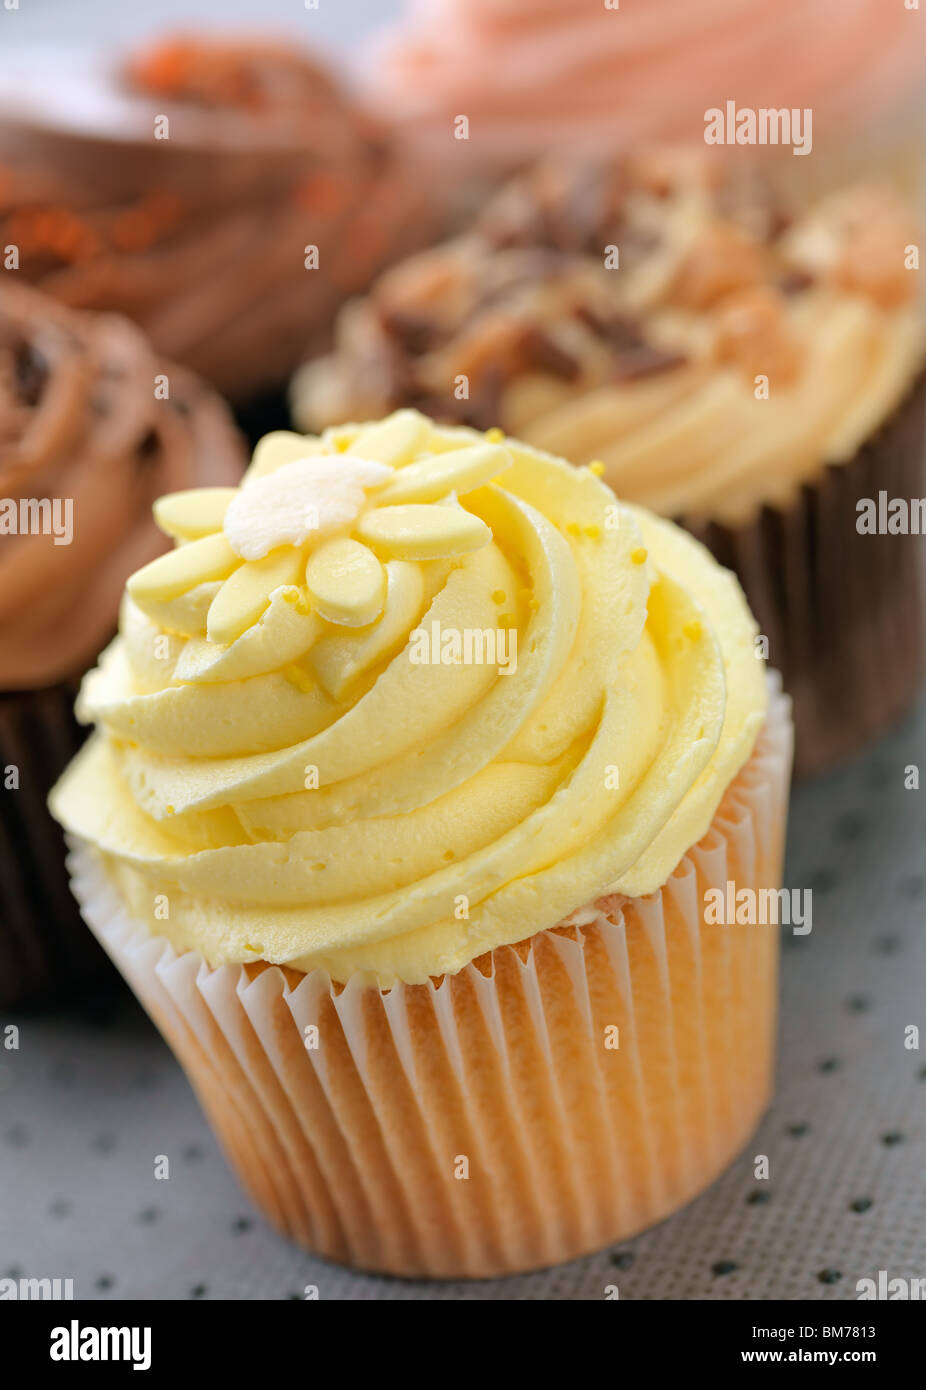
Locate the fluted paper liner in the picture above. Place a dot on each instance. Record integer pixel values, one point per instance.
(484, 1122)
(843, 612)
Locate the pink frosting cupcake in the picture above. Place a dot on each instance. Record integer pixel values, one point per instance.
(536, 75)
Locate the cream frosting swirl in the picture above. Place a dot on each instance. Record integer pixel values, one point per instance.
(296, 762)
(727, 359)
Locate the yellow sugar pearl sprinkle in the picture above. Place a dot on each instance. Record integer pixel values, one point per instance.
(299, 678)
(498, 596)
(495, 435)
(593, 532)
(298, 598)
(597, 468)
(693, 629)
(573, 528)
(638, 554)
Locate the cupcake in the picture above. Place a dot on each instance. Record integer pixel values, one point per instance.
(582, 77)
(752, 373)
(93, 427)
(408, 844)
(187, 186)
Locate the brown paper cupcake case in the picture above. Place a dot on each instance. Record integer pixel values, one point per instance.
(44, 947)
(843, 612)
(481, 1124)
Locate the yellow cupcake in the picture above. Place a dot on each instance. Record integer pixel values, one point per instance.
(435, 725)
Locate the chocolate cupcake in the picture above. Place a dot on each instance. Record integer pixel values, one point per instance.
(187, 188)
(749, 372)
(93, 427)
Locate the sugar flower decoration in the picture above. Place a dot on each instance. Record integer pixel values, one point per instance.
(319, 527)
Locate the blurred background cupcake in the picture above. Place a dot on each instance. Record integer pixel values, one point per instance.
(749, 372)
(539, 76)
(93, 426)
(434, 915)
(185, 186)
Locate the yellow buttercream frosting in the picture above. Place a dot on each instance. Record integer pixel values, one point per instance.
(407, 695)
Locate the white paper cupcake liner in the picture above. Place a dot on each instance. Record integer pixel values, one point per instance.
(484, 1122)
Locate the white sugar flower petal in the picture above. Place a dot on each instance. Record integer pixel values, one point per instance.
(300, 501)
(179, 570)
(459, 471)
(395, 440)
(277, 448)
(198, 512)
(245, 595)
(422, 532)
(347, 582)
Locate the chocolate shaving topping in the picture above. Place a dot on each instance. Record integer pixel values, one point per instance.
(749, 200)
(795, 281)
(31, 372)
(517, 222)
(644, 360)
(566, 209)
(539, 350)
(534, 265)
(414, 333)
(619, 331)
(594, 207)
(148, 447)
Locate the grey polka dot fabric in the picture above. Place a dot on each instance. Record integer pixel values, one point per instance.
(92, 1104)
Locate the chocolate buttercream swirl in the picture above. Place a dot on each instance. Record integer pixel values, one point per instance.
(185, 190)
(87, 442)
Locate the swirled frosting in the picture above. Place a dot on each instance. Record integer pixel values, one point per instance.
(185, 186)
(537, 75)
(661, 317)
(296, 760)
(83, 423)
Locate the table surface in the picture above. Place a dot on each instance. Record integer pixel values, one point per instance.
(93, 1095)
